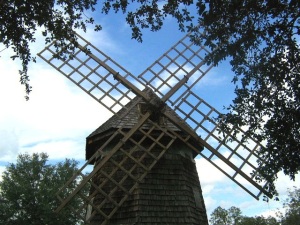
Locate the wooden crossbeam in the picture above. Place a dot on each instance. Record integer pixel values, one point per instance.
(172, 76)
(157, 137)
(210, 133)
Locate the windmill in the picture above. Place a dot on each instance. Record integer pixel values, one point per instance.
(152, 113)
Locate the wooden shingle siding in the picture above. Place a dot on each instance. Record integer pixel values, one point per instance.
(169, 193)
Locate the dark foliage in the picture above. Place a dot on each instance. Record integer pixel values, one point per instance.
(28, 191)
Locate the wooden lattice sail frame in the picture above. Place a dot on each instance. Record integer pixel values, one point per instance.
(169, 77)
(170, 193)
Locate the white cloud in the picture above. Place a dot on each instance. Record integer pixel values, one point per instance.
(58, 149)
(210, 204)
(102, 40)
(283, 182)
(272, 213)
(9, 145)
(57, 110)
(213, 78)
(218, 190)
(208, 173)
(2, 169)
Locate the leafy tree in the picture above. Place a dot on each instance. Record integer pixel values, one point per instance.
(292, 208)
(28, 191)
(260, 38)
(233, 216)
(221, 216)
(258, 220)
(20, 20)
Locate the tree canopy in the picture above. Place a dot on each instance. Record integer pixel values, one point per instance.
(291, 205)
(233, 216)
(260, 38)
(28, 191)
(290, 215)
(258, 220)
(221, 216)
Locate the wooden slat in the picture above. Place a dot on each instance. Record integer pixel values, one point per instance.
(104, 160)
(136, 181)
(221, 144)
(94, 72)
(169, 76)
(172, 76)
(119, 166)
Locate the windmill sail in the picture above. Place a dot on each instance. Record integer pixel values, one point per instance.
(228, 152)
(94, 72)
(172, 77)
(122, 168)
(182, 62)
(128, 161)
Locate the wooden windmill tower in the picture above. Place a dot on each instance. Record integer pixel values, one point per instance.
(143, 156)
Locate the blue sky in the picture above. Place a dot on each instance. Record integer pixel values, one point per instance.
(59, 116)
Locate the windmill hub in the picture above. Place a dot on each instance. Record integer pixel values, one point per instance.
(154, 105)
